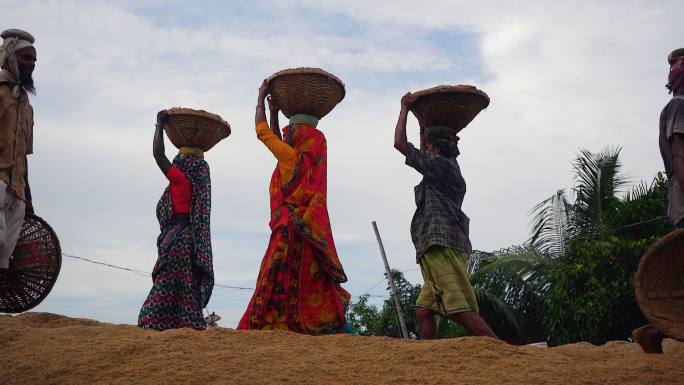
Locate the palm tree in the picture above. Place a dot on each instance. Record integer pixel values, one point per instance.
(512, 284)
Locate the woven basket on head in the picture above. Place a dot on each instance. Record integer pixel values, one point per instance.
(660, 285)
(195, 128)
(23, 35)
(34, 267)
(674, 55)
(310, 91)
(451, 106)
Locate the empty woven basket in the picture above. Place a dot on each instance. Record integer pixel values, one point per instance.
(34, 267)
(310, 91)
(660, 285)
(195, 128)
(451, 106)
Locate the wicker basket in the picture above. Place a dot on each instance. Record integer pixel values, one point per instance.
(660, 285)
(23, 35)
(195, 128)
(34, 267)
(451, 106)
(674, 55)
(310, 91)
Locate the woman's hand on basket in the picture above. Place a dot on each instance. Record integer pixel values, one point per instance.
(161, 116)
(272, 105)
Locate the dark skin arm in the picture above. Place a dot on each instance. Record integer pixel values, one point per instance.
(27, 192)
(182, 219)
(677, 144)
(158, 144)
(400, 138)
(275, 126)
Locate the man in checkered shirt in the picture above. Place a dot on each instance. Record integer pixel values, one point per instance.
(439, 229)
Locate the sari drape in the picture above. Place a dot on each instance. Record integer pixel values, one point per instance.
(298, 287)
(183, 277)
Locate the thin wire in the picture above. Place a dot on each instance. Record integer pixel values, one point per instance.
(139, 272)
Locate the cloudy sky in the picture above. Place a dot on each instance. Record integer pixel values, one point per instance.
(561, 76)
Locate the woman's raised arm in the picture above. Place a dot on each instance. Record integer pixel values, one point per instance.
(158, 144)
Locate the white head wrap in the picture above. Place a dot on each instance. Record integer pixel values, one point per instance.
(21, 44)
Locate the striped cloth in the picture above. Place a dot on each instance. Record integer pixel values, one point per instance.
(447, 289)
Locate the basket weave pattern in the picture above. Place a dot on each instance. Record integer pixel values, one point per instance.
(34, 267)
(451, 106)
(195, 128)
(659, 285)
(310, 91)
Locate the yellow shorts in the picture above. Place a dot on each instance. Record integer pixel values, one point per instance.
(447, 289)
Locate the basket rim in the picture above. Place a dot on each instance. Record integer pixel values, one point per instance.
(459, 89)
(307, 71)
(639, 289)
(193, 112)
(51, 284)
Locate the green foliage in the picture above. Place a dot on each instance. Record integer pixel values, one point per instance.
(367, 320)
(408, 295)
(574, 279)
(594, 299)
(364, 318)
(511, 292)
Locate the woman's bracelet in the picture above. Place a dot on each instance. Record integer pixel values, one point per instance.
(260, 105)
(159, 125)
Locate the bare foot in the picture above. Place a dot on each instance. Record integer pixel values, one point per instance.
(649, 338)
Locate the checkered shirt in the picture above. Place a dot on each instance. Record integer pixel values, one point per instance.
(672, 122)
(438, 219)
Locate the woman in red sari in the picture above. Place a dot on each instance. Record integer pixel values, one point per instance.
(298, 288)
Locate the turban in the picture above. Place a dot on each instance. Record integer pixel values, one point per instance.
(676, 74)
(21, 44)
(443, 137)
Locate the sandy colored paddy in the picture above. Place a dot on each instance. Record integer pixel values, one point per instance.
(43, 348)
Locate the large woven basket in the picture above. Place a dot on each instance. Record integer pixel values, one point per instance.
(451, 106)
(34, 267)
(310, 91)
(660, 285)
(195, 128)
(674, 55)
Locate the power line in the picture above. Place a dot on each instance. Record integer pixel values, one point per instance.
(139, 272)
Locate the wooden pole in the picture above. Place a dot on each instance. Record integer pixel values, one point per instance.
(397, 303)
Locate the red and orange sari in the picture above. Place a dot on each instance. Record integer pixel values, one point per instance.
(298, 288)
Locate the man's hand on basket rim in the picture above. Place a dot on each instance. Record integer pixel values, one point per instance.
(161, 116)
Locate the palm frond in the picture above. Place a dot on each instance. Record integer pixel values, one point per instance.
(551, 224)
(597, 181)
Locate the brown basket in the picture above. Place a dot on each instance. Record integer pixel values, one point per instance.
(310, 91)
(451, 106)
(34, 267)
(660, 285)
(23, 35)
(195, 128)
(674, 55)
